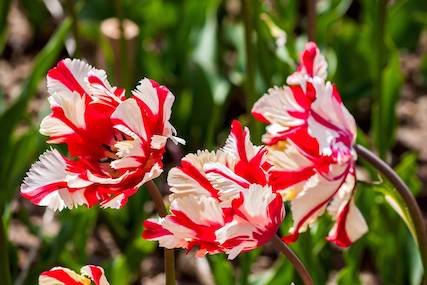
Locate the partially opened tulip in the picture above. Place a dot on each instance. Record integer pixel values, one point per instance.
(115, 144)
(221, 201)
(310, 137)
(65, 276)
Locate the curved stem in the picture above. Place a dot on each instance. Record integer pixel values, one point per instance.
(280, 245)
(406, 194)
(169, 253)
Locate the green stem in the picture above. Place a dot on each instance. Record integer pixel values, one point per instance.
(250, 86)
(281, 246)
(378, 112)
(4, 253)
(169, 253)
(406, 194)
(249, 50)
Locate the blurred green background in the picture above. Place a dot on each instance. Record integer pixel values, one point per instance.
(217, 57)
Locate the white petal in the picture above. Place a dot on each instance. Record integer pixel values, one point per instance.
(148, 94)
(313, 200)
(73, 106)
(228, 183)
(158, 142)
(128, 115)
(276, 106)
(154, 172)
(49, 170)
(201, 210)
(95, 273)
(47, 280)
(78, 70)
(184, 184)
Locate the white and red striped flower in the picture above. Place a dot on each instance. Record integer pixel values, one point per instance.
(116, 144)
(310, 137)
(221, 201)
(312, 64)
(65, 276)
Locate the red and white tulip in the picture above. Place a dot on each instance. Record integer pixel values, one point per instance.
(115, 144)
(312, 64)
(221, 201)
(65, 276)
(310, 135)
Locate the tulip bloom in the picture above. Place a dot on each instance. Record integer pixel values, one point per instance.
(221, 201)
(65, 276)
(310, 135)
(115, 144)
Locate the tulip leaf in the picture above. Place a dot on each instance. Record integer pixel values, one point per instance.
(15, 112)
(406, 169)
(222, 270)
(281, 272)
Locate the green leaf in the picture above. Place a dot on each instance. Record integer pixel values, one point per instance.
(12, 116)
(245, 263)
(406, 170)
(222, 270)
(25, 149)
(349, 275)
(4, 12)
(384, 123)
(120, 274)
(396, 202)
(282, 272)
(205, 56)
(415, 264)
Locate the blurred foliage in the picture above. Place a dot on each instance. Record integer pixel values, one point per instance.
(197, 49)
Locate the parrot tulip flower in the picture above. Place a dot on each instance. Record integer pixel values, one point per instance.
(65, 276)
(310, 137)
(115, 143)
(221, 201)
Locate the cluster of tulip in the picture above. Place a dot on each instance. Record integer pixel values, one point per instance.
(230, 200)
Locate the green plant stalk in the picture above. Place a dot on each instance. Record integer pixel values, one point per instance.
(4, 253)
(169, 256)
(406, 194)
(378, 112)
(250, 55)
(281, 246)
(250, 86)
